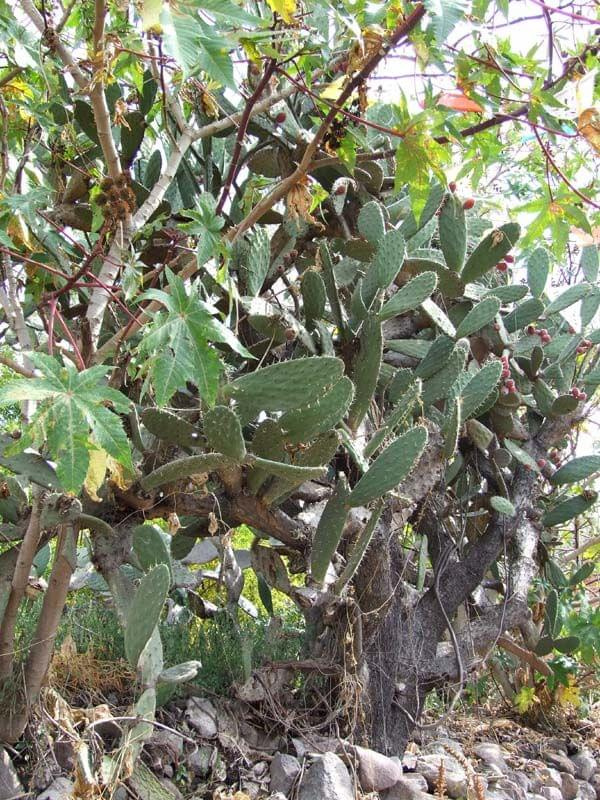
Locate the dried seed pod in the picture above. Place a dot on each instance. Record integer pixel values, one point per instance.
(106, 183)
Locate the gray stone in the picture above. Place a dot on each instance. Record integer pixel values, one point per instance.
(511, 788)
(171, 788)
(376, 772)
(551, 793)
(569, 786)
(492, 755)
(202, 715)
(520, 778)
(284, 770)
(560, 761)
(585, 765)
(200, 762)
(277, 796)
(586, 790)
(534, 796)
(416, 780)
(404, 790)
(10, 785)
(496, 794)
(595, 782)
(59, 789)
(546, 776)
(326, 779)
(444, 746)
(456, 778)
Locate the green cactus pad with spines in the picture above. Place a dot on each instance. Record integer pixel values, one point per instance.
(589, 262)
(503, 506)
(567, 644)
(280, 386)
(184, 467)
(570, 296)
(325, 413)
(329, 530)
(452, 428)
(333, 297)
(272, 328)
(386, 265)
(171, 428)
(268, 442)
(479, 434)
(576, 470)
(400, 383)
(181, 673)
(478, 317)
(390, 467)
(439, 386)
(144, 611)
(507, 294)
(536, 359)
(30, 465)
(523, 314)
(449, 283)
(520, 455)
(570, 508)
(410, 296)
(589, 307)
(544, 396)
(413, 348)
(365, 371)
(410, 226)
(399, 417)
(224, 432)
(314, 297)
(453, 232)
(436, 357)
(371, 222)
(320, 452)
(290, 472)
(564, 404)
(258, 260)
(358, 550)
(490, 251)
(538, 269)
(150, 547)
(439, 318)
(479, 388)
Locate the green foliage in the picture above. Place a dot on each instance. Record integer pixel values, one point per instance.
(71, 408)
(143, 614)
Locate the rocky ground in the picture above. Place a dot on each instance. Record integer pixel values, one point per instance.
(207, 749)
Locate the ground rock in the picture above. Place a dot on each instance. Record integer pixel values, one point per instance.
(456, 779)
(492, 755)
(326, 779)
(585, 765)
(520, 778)
(586, 791)
(376, 772)
(444, 745)
(59, 789)
(404, 790)
(284, 770)
(595, 782)
(551, 793)
(546, 776)
(560, 761)
(10, 785)
(570, 787)
(496, 794)
(510, 787)
(202, 715)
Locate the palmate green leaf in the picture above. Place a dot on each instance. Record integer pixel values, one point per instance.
(445, 15)
(71, 414)
(168, 375)
(108, 432)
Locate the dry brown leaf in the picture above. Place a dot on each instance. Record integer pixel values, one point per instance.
(588, 126)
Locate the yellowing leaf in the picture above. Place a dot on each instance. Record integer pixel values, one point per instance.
(333, 90)
(588, 126)
(121, 477)
(569, 695)
(285, 8)
(95, 474)
(150, 11)
(584, 90)
(524, 699)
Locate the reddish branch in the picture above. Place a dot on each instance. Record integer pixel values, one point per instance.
(550, 160)
(243, 126)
